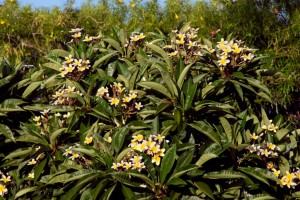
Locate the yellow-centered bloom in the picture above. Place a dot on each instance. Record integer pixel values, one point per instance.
(5, 179)
(114, 101)
(3, 190)
(88, 140)
(31, 175)
(156, 159)
(276, 172)
(254, 136)
(32, 162)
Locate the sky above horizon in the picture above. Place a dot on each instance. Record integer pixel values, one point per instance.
(58, 3)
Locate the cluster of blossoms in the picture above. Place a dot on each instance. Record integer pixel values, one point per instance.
(74, 68)
(42, 121)
(77, 34)
(289, 180)
(4, 180)
(185, 45)
(114, 97)
(68, 152)
(267, 149)
(135, 39)
(232, 53)
(151, 146)
(61, 96)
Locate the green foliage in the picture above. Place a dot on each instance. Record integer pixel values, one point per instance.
(139, 116)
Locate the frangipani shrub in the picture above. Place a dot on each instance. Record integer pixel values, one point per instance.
(149, 116)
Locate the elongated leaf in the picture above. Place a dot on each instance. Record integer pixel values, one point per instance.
(142, 177)
(114, 43)
(127, 192)
(55, 135)
(227, 128)
(183, 75)
(11, 105)
(167, 163)
(33, 86)
(82, 173)
(254, 173)
(119, 138)
(5, 130)
(185, 159)
(281, 133)
(157, 87)
(18, 153)
(205, 189)
(162, 53)
(25, 191)
(61, 178)
(176, 181)
(59, 53)
(189, 90)
(206, 130)
(39, 169)
(224, 174)
(205, 157)
(103, 58)
(260, 197)
(183, 170)
(106, 195)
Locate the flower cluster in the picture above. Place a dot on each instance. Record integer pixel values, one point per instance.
(185, 45)
(136, 38)
(61, 96)
(74, 68)
(4, 180)
(77, 35)
(120, 96)
(151, 146)
(289, 179)
(68, 152)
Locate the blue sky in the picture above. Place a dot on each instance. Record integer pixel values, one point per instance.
(51, 3)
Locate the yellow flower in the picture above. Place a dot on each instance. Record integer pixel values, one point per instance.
(114, 166)
(5, 179)
(68, 59)
(37, 118)
(3, 190)
(135, 38)
(289, 176)
(191, 44)
(136, 159)
(271, 146)
(264, 152)
(276, 172)
(272, 127)
(77, 35)
(2, 22)
(88, 39)
(270, 165)
(141, 36)
(67, 152)
(138, 106)
(237, 50)
(120, 1)
(101, 91)
(281, 182)
(174, 53)
(40, 156)
(109, 139)
(297, 174)
(176, 16)
(254, 136)
(66, 116)
(156, 159)
(31, 175)
(222, 42)
(126, 99)
(160, 138)
(114, 101)
(32, 162)
(181, 41)
(74, 156)
(223, 61)
(127, 165)
(133, 95)
(167, 46)
(132, 4)
(70, 68)
(70, 89)
(88, 140)
(138, 137)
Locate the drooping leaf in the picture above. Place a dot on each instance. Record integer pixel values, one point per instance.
(167, 163)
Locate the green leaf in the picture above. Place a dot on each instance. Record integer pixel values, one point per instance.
(142, 177)
(61, 178)
(183, 170)
(33, 86)
(254, 173)
(114, 44)
(20, 152)
(59, 53)
(82, 173)
(284, 165)
(55, 135)
(182, 76)
(127, 192)
(157, 87)
(176, 181)
(206, 130)
(25, 191)
(39, 169)
(189, 90)
(106, 195)
(5, 130)
(260, 197)
(203, 187)
(224, 174)
(11, 105)
(185, 159)
(227, 128)
(205, 157)
(162, 53)
(103, 58)
(119, 138)
(167, 163)
(281, 133)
